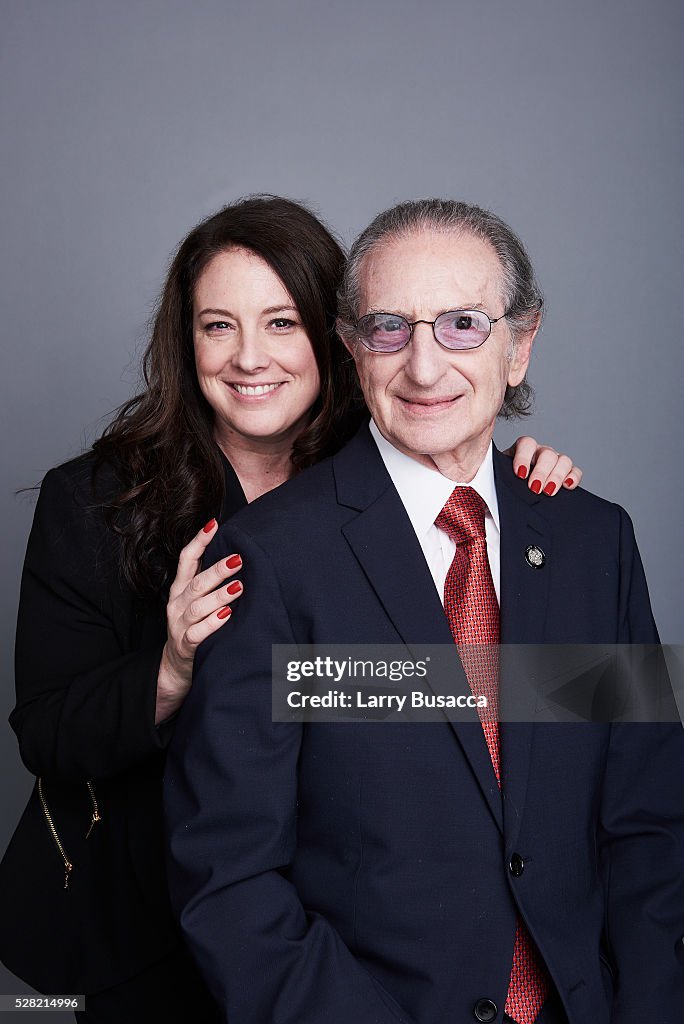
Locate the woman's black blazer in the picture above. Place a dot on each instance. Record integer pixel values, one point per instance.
(87, 660)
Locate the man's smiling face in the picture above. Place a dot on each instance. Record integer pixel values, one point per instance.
(436, 405)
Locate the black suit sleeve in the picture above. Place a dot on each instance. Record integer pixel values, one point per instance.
(636, 622)
(85, 700)
(642, 836)
(231, 807)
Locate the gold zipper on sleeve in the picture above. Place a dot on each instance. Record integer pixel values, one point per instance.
(68, 866)
(96, 813)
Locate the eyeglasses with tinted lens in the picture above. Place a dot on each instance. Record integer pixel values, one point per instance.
(457, 330)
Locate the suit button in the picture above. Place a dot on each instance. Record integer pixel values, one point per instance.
(517, 865)
(485, 1010)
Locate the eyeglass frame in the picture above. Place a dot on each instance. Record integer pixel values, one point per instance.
(431, 323)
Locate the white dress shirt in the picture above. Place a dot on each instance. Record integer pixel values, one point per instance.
(424, 492)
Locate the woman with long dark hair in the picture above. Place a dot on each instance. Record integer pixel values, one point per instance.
(245, 384)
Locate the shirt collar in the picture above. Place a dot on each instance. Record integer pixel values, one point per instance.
(424, 491)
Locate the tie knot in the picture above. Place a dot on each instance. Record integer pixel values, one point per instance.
(463, 516)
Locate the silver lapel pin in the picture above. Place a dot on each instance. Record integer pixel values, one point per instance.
(535, 557)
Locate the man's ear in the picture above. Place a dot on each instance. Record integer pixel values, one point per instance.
(347, 339)
(521, 355)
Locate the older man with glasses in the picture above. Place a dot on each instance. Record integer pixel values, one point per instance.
(454, 870)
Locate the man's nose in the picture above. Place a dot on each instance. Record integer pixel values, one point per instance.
(426, 359)
(251, 352)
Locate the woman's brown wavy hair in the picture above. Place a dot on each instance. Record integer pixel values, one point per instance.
(161, 442)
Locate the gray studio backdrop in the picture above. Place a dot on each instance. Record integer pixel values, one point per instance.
(123, 123)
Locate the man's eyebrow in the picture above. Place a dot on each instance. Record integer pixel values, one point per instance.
(393, 312)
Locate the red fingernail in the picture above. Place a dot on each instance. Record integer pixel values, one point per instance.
(569, 482)
(235, 587)
(223, 613)
(209, 527)
(234, 562)
(522, 472)
(536, 486)
(550, 488)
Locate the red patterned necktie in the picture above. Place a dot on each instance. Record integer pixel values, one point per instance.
(473, 611)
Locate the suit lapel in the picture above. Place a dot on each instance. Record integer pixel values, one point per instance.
(524, 592)
(384, 543)
(524, 589)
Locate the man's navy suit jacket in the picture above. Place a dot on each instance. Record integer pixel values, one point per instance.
(338, 873)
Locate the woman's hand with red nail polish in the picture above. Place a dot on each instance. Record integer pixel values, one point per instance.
(554, 471)
(544, 468)
(198, 605)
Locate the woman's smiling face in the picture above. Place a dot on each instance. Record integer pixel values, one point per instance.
(255, 364)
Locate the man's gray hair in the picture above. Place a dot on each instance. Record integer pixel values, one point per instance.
(521, 293)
